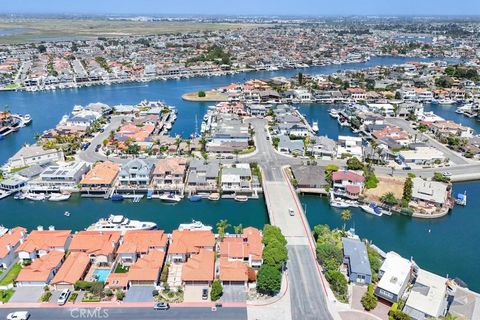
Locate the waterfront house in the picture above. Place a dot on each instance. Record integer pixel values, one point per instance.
(199, 269)
(420, 156)
(169, 174)
(428, 298)
(430, 193)
(68, 175)
(144, 272)
(246, 247)
(187, 243)
(396, 134)
(73, 269)
(394, 274)
(451, 128)
(385, 109)
(138, 243)
(136, 172)
(310, 177)
(40, 242)
(34, 154)
(237, 178)
(41, 271)
(347, 183)
(257, 110)
(9, 241)
(232, 272)
(406, 108)
(202, 175)
(350, 145)
(100, 246)
(290, 146)
(322, 147)
(355, 257)
(101, 176)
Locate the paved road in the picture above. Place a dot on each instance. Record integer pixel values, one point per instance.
(405, 125)
(132, 313)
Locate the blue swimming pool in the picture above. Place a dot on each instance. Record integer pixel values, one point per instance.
(101, 274)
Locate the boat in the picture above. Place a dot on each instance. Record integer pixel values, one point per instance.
(170, 197)
(372, 208)
(121, 223)
(4, 194)
(315, 126)
(35, 196)
(77, 109)
(26, 119)
(66, 214)
(215, 196)
(19, 196)
(241, 198)
(446, 102)
(333, 113)
(59, 196)
(194, 226)
(195, 198)
(117, 197)
(461, 199)
(339, 204)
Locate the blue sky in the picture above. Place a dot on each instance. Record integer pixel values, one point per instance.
(250, 7)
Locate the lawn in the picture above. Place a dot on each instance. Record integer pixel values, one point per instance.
(5, 295)
(11, 275)
(121, 269)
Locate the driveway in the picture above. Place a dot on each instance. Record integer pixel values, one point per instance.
(27, 294)
(139, 294)
(193, 293)
(234, 293)
(174, 279)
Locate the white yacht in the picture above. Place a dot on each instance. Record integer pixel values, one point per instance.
(333, 113)
(4, 194)
(446, 102)
(372, 208)
(170, 197)
(120, 223)
(338, 202)
(77, 109)
(315, 126)
(59, 196)
(26, 119)
(35, 196)
(194, 226)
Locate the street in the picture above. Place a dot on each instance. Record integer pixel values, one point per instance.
(131, 313)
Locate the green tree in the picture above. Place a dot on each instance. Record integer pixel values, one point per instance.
(399, 315)
(389, 199)
(329, 169)
(338, 284)
(440, 177)
(217, 290)
(272, 233)
(369, 301)
(329, 256)
(269, 280)
(407, 190)
(346, 215)
(354, 164)
(222, 225)
(275, 254)
(238, 229)
(41, 48)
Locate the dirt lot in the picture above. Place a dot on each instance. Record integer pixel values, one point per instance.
(210, 96)
(386, 184)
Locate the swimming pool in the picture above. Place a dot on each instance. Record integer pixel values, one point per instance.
(101, 274)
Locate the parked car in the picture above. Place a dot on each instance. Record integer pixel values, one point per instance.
(161, 306)
(291, 212)
(446, 174)
(407, 168)
(63, 297)
(204, 293)
(18, 315)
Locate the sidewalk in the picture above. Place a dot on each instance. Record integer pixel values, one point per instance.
(121, 305)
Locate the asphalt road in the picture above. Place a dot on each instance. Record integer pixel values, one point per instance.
(132, 313)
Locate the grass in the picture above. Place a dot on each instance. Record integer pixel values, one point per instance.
(121, 269)
(14, 170)
(46, 296)
(250, 149)
(11, 275)
(73, 297)
(5, 295)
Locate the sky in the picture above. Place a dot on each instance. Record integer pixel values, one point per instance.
(244, 7)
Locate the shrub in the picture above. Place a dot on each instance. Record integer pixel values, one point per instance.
(46, 296)
(154, 292)
(108, 292)
(217, 290)
(338, 284)
(269, 280)
(120, 295)
(369, 301)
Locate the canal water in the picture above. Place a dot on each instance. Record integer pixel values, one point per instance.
(449, 247)
(167, 216)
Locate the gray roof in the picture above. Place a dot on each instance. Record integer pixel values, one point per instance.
(356, 251)
(313, 176)
(140, 166)
(291, 145)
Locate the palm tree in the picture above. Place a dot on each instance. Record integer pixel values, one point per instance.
(346, 215)
(222, 225)
(374, 145)
(238, 229)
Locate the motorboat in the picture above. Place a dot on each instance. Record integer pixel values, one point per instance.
(215, 196)
(59, 196)
(170, 197)
(241, 198)
(315, 126)
(4, 194)
(26, 119)
(372, 208)
(19, 196)
(117, 197)
(67, 214)
(121, 223)
(333, 113)
(35, 196)
(339, 204)
(194, 226)
(446, 102)
(195, 198)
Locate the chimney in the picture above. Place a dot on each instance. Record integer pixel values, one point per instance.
(40, 228)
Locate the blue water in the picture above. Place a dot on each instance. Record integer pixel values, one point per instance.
(448, 113)
(101, 275)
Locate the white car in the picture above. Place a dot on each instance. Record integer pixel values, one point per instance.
(291, 212)
(63, 298)
(446, 174)
(19, 315)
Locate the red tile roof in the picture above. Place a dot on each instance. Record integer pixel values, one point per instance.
(188, 242)
(347, 175)
(200, 267)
